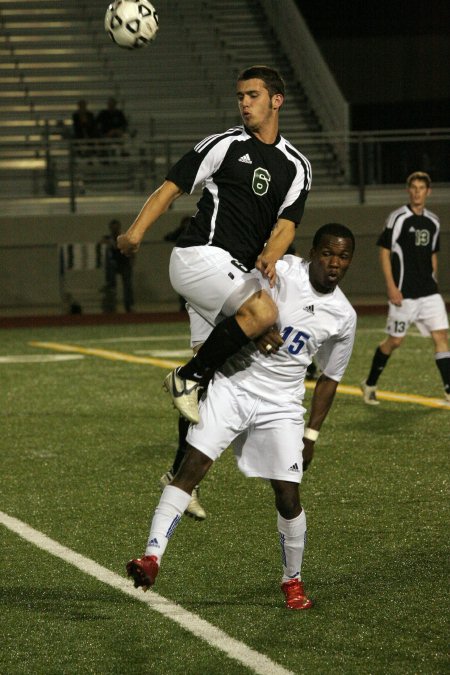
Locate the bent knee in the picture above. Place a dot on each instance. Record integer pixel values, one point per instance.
(257, 314)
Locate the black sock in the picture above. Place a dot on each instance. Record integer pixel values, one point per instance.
(312, 368)
(443, 364)
(183, 426)
(378, 364)
(225, 340)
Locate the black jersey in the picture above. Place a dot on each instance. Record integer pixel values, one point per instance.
(412, 240)
(247, 186)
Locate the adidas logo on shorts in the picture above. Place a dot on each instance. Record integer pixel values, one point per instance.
(294, 468)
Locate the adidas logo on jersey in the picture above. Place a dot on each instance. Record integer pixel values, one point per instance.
(246, 159)
(309, 309)
(411, 229)
(294, 468)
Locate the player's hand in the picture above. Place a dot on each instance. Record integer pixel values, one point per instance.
(308, 452)
(126, 245)
(267, 269)
(270, 342)
(395, 296)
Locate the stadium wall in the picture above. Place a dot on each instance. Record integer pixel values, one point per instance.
(29, 256)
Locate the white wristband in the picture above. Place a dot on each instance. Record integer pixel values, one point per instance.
(311, 434)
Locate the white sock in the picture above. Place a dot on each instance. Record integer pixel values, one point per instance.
(172, 505)
(292, 539)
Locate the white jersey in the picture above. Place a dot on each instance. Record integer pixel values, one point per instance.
(311, 323)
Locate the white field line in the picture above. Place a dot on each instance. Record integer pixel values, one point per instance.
(427, 401)
(40, 358)
(256, 662)
(381, 332)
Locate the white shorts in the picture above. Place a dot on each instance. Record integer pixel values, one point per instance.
(428, 313)
(213, 283)
(199, 328)
(267, 439)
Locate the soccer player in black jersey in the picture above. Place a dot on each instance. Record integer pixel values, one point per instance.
(409, 245)
(255, 185)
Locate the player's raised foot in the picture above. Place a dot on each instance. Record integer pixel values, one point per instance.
(369, 394)
(143, 571)
(195, 509)
(295, 595)
(184, 395)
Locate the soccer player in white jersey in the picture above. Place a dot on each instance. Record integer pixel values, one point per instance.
(255, 185)
(409, 245)
(254, 404)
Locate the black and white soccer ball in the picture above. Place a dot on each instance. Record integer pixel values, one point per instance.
(131, 23)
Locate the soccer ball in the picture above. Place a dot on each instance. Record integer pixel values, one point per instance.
(131, 23)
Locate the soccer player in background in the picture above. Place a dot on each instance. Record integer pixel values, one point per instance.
(254, 401)
(409, 245)
(255, 185)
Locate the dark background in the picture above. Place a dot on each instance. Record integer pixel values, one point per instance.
(390, 59)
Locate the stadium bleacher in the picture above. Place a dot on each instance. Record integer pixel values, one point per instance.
(55, 52)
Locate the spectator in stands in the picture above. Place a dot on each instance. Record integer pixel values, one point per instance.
(83, 120)
(111, 121)
(63, 130)
(116, 264)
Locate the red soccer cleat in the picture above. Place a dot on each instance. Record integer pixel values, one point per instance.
(295, 595)
(143, 570)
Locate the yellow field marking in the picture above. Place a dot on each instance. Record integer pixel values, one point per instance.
(108, 354)
(163, 363)
(392, 396)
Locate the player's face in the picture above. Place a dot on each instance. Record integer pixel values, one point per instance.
(258, 110)
(418, 192)
(329, 262)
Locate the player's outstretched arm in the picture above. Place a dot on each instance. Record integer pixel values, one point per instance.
(157, 204)
(279, 241)
(322, 400)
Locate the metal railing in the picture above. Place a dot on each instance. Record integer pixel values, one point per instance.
(309, 66)
(70, 168)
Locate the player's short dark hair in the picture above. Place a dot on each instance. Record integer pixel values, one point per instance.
(335, 230)
(419, 175)
(272, 79)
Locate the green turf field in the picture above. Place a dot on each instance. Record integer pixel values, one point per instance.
(83, 444)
